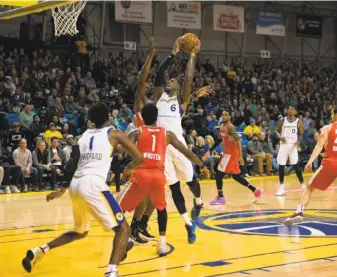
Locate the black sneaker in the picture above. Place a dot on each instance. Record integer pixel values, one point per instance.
(144, 233)
(136, 238)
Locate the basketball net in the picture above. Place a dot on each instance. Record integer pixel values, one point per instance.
(65, 18)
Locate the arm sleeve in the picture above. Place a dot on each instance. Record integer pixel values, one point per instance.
(159, 81)
(71, 165)
(215, 145)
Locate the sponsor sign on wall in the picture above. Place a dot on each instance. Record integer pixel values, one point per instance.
(310, 26)
(138, 12)
(228, 18)
(184, 15)
(270, 23)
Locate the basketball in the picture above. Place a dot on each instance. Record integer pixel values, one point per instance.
(188, 42)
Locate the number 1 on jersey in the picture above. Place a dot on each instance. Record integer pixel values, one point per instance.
(153, 143)
(91, 142)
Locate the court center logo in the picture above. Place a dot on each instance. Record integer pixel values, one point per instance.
(316, 223)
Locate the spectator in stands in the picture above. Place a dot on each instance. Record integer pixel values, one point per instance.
(26, 120)
(68, 148)
(125, 114)
(201, 123)
(200, 149)
(23, 158)
(89, 82)
(254, 148)
(192, 137)
(57, 156)
(72, 107)
(37, 127)
(41, 161)
(307, 120)
(11, 177)
(15, 136)
(251, 129)
(267, 148)
(10, 86)
(51, 132)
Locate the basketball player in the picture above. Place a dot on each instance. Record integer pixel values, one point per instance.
(231, 158)
(149, 179)
(290, 132)
(171, 105)
(90, 196)
(326, 173)
(143, 212)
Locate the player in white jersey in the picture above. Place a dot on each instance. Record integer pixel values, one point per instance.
(290, 132)
(87, 169)
(171, 104)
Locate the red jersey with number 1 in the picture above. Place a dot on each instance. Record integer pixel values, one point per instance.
(152, 143)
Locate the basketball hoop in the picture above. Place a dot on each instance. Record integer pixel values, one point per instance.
(65, 18)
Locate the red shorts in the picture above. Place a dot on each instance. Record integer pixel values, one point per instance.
(324, 176)
(139, 119)
(144, 182)
(229, 164)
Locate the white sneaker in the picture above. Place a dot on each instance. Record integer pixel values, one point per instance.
(161, 249)
(1, 191)
(15, 189)
(111, 274)
(303, 186)
(7, 190)
(32, 257)
(280, 191)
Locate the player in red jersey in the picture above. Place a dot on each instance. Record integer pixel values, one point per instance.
(231, 158)
(326, 173)
(145, 208)
(149, 179)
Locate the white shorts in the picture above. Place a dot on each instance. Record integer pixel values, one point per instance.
(287, 151)
(91, 198)
(177, 166)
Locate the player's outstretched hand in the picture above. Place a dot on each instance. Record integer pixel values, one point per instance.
(176, 47)
(204, 91)
(308, 167)
(152, 46)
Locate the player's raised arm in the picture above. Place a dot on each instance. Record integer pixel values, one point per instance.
(118, 137)
(322, 140)
(172, 139)
(160, 78)
(189, 73)
(140, 98)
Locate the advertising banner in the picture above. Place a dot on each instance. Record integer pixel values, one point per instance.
(310, 26)
(184, 15)
(139, 12)
(228, 18)
(270, 23)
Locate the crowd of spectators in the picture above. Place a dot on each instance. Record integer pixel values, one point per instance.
(44, 104)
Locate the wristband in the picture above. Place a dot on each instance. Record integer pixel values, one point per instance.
(192, 54)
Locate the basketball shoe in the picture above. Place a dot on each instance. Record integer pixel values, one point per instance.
(280, 191)
(295, 218)
(112, 274)
(32, 257)
(218, 201)
(143, 231)
(161, 249)
(257, 194)
(191, 236)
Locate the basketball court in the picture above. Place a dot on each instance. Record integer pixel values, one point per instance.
(238, 239)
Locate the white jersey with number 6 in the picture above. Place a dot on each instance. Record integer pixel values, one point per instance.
(96, 153)
(169, 114)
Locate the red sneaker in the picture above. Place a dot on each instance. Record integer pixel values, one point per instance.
(257, 194)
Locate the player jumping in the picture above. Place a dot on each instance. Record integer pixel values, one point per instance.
(326, 173)
(290, 132)
(90, 196)
(171, 105)
(149, 179)
(231, 158)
